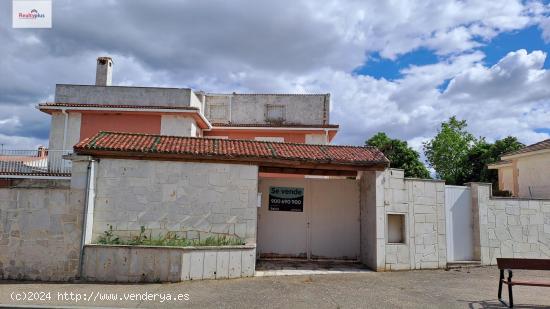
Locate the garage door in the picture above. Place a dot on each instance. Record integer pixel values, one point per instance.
(327, 226)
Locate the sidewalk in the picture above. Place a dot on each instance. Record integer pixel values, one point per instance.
(463, 288)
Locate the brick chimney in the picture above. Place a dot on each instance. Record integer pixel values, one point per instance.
(104, 71)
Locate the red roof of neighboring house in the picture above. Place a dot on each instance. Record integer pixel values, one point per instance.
(245, 151)
(542, 145)
(79, 105)
(201, 121)
(276, 125)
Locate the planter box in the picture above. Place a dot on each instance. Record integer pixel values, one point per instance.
(117, 263)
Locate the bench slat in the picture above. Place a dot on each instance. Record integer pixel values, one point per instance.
(527, 264)
(528, 283)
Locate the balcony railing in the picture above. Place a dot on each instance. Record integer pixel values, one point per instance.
(34, 163)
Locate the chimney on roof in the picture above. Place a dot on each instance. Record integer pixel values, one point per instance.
(104, 71)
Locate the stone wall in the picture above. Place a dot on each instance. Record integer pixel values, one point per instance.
(509, 227)
(196, 200)
(167, 264)
(422, 203)
(40, 231)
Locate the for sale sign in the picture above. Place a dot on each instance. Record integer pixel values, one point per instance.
(286, 199)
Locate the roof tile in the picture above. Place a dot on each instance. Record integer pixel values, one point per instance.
(545, 144)
(79, 105)
(221, 149)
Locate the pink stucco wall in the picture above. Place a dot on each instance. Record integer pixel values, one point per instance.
(135, 123)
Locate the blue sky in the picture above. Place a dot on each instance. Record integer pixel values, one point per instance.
(495, 49)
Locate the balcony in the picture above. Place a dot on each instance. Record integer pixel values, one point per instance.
(41, 163)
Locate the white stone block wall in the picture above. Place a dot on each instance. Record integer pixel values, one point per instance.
(509, 227)
(40, 231)
(422, 202)
(197, 200)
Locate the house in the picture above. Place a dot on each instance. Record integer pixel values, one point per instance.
(525, 172)
(80, 111)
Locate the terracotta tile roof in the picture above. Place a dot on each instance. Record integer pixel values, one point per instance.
(129, 144)
(275, 125)
(47, 105)
(545, 144)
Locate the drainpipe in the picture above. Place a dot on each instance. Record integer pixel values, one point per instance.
(326, 136)
(87, 223)
(64, 112)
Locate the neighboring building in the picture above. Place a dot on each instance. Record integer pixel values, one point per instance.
(81, 111)
(526, 172)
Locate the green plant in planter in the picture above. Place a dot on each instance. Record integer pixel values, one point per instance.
(170, 239)
(140, 239)
(108, 237)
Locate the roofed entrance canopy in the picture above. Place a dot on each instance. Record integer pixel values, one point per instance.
(270, 157)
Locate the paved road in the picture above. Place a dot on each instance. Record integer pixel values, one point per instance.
(473, 288)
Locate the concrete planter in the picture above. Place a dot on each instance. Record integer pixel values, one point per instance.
(118, 263)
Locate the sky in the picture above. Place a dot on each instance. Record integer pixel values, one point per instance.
(401, 67)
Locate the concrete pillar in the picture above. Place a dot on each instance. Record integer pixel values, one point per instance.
(373, 226)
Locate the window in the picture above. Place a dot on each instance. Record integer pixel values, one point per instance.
(269, 139)
(396, 228)
(275, 113)
(217, 112)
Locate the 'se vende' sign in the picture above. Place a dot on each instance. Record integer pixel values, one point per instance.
(286, 199)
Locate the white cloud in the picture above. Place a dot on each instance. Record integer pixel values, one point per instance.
(282, 46)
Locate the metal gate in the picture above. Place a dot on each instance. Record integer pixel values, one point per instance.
(327, 228)
(460, 229)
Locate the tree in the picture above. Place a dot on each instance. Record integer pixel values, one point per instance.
(400, 155)
(458, 157)
(448, 152)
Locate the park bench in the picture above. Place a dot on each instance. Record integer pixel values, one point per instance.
(512, 264)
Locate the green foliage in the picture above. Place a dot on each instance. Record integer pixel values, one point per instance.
(170, 239)
(400, 155)
(484, 153)
(458, 157)
(448, 152)
(108, 237)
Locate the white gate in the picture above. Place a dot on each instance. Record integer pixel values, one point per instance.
(460, 234)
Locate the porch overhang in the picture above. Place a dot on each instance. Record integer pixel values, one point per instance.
(270, 157)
